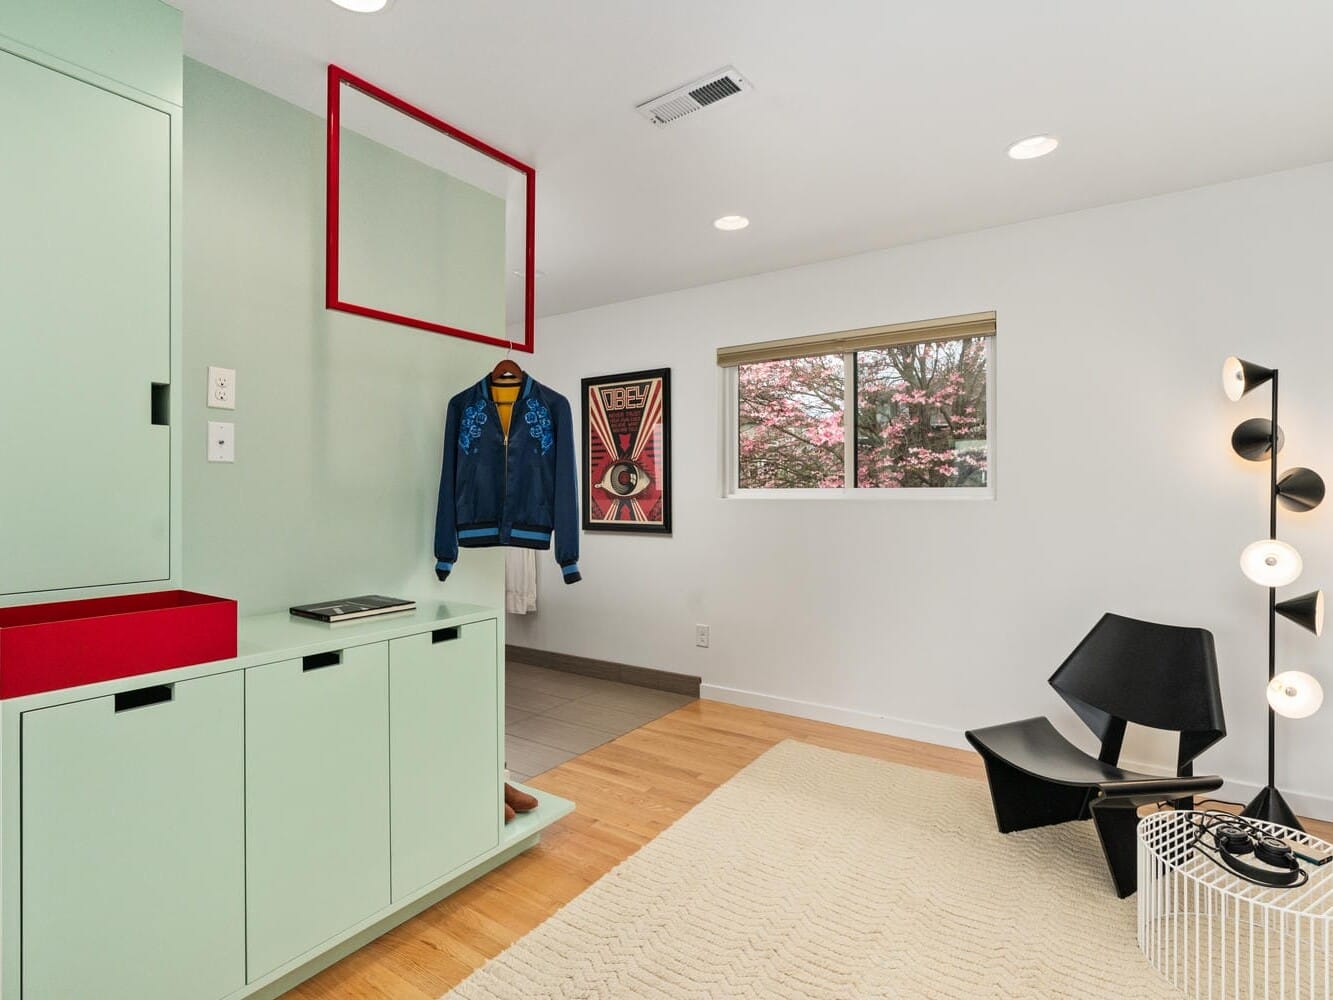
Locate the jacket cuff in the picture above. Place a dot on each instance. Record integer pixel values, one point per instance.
(442, 569)
(571, 572)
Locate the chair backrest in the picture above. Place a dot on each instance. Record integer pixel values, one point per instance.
(1163, 676)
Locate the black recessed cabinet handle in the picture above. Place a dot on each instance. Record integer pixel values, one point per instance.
(143, 697)
(160, 404)
(317, 661)
(444, 634)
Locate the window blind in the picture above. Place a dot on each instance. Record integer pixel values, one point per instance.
(980, 324)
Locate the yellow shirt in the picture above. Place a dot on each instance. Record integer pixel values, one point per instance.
(504, 397)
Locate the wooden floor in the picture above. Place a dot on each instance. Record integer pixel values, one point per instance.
(627, 792)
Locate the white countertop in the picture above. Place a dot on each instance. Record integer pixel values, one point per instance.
(283, 636)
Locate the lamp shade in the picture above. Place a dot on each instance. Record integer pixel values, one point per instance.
(1239, 377)
(1252, 438)
(1270, 563)
(1300, 489)
(1294, 694)
(1307, 611)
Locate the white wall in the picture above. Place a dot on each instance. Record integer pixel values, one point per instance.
(1116, 486)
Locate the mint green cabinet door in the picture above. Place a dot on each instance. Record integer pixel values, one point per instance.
(444, 692)
(317, 801)
(85, 282)
(132, 845)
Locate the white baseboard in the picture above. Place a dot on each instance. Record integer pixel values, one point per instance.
(1306, 804)
(924, 732)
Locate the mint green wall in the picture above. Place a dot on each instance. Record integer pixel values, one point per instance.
(137, 42)
(402, 253)
(339, 419)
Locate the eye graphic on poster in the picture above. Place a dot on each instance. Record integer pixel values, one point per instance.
(625, 479)
(627, 452)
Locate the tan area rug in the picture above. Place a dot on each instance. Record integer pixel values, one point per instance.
(819, 874)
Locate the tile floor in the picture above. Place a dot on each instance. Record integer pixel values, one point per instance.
(551, 716)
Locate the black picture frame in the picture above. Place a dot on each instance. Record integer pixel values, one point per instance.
(626, 438)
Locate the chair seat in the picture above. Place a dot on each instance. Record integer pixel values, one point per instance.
(1036, 747)
(1123, 671)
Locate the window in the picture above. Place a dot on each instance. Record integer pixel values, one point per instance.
(789, 423)
(918, 399)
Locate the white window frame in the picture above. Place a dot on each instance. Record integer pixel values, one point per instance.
(729, 400)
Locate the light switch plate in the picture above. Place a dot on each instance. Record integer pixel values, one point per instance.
(221, 441)
(221, 388)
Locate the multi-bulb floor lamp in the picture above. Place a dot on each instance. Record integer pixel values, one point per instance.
(1272, 564)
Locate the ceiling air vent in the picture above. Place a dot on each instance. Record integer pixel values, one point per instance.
(693, 97)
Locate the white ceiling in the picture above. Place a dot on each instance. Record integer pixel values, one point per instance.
(872, 122)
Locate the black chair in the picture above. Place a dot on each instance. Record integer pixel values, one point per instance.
(1123, 671)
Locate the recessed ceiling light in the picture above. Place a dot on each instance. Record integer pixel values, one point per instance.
(1032, 147)
(730, 223)
(363, 6)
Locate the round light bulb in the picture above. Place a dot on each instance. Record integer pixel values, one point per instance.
(1270, 563)
(730, 223)
(1233, 379)
(1032, 147)
(1294, 694)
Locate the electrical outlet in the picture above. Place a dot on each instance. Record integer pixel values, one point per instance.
(221, 442)
(221, 388)
(701, 636)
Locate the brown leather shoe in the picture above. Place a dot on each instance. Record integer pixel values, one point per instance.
(509, 812)
(519, 801)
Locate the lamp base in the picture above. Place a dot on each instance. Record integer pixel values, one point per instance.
(1270, 806)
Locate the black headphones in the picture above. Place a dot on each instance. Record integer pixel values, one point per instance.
(1281, 869)
(1227, 839)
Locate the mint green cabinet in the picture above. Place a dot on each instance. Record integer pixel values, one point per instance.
(132, 845)
(235, 831)
(444, 697)
(317, 800)
(86, 276)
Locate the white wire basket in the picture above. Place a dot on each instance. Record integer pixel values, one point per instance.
(1213, 934)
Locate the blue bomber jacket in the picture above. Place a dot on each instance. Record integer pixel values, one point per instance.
(515, 490)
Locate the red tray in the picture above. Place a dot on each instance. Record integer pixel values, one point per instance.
(46, 647)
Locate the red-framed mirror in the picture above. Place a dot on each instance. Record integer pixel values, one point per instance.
(427, 226)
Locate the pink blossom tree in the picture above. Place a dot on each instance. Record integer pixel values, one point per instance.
(920, 418)
(921, 415)
(790, 424)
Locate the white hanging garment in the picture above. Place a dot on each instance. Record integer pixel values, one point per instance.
(520, 581)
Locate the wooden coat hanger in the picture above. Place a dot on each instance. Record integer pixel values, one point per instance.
(506, 371)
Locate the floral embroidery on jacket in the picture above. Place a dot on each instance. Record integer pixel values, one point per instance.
(473, 419)
(538, 419)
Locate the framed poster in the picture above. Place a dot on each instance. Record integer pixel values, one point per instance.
(627, 452)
